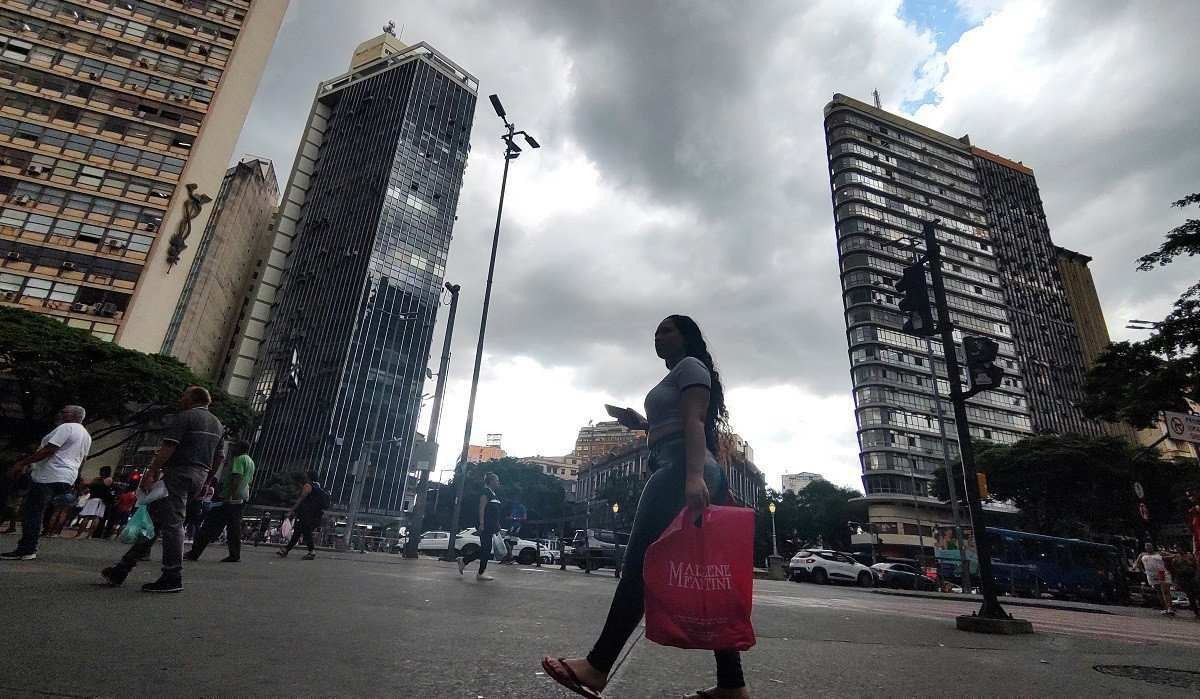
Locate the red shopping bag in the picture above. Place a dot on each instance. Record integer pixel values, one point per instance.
(699, 579)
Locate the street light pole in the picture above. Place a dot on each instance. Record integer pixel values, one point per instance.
(951, 487)
(774, 535)
(435, 418)
(511, 152)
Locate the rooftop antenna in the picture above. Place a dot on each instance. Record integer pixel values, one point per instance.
(877, 104)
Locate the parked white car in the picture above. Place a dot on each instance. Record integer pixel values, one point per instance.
(823, 566)
(433, 542)
(525, 552)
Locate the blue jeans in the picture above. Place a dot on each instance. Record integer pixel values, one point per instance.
(661, 501)
(39, 495)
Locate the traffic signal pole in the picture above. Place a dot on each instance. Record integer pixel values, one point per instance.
(991, 611)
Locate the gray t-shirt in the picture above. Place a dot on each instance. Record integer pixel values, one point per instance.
(197, 435)
(662, 402)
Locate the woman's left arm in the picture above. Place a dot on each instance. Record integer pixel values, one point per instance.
(694, 410)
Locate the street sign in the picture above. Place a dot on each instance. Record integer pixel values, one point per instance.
(1182, 426)
(1138, 490)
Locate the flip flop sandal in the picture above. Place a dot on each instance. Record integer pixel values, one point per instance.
(565, 676)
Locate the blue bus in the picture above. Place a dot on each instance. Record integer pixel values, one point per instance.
(1029, 565)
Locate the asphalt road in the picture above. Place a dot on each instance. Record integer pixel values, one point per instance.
(374, 625)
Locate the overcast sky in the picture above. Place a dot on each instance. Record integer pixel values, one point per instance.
(683, 170)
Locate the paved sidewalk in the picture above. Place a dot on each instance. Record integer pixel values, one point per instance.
(351, 624)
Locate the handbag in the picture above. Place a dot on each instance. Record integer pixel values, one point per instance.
(699, 581)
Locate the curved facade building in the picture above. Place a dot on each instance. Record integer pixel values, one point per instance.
(890, 175)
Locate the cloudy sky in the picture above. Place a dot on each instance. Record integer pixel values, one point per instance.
(683, 171)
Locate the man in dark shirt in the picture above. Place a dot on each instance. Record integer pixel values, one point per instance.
(190, 450)
(489, 526)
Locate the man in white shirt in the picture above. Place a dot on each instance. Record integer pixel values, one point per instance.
(55, 467)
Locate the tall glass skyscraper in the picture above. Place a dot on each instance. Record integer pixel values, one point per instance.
(354, 283)
(889, 175)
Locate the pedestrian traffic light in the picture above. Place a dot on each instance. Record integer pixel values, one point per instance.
(981, 355)
(914, 302)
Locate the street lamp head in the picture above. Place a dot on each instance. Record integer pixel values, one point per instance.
(771, 507)
(531, 141)
(512, 147)
(616, 507)
(495, 99)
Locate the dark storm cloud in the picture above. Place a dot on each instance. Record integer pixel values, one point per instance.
(703, 123)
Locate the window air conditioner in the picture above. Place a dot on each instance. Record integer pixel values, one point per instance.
(23, 200)
(68, 266)
(13, 255)
(79, 308)
(11, 296)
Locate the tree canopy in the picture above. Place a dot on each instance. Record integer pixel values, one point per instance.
(45, 364)
(1134, 381)
(817, 515)
(1080, 486)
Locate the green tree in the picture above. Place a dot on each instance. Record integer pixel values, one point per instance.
(541, 494)
(817, 515)
(1079, 486)
(1134, 381)
(44, 365)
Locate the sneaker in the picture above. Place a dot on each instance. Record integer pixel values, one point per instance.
(230, 559)
(1167, 612)
(481, 577)
(461, 564)
(309, 557)
(163, 585)
(17, 556)
(190, 556)
(113, 576)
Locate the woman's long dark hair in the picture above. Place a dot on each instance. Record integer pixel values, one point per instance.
(695, 346)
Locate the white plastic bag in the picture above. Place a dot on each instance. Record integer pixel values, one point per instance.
(499, 548)
(158, 491)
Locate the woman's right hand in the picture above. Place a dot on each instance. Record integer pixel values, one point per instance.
(695, 492)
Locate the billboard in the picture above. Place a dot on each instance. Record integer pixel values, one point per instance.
(945, 549)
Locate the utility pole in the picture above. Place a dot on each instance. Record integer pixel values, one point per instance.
(435, 418)
(991, 617)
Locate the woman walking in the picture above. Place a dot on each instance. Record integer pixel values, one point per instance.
(489, 527)
(683, 412)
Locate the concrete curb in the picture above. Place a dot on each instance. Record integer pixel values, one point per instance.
(1007, 601)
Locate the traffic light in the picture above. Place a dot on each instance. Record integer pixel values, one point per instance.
(914, 302)
(981, 355)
